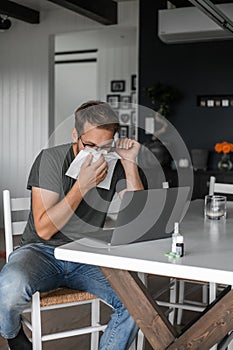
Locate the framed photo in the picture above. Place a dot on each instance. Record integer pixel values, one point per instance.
(123, 131)
(117, 85)
(133, 97)
(133, 118)
(133, 82)
(113, 100)
(125, 118)
(125, 102)
(132, 132)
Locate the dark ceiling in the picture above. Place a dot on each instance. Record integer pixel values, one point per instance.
(103, 11)
(186, 3)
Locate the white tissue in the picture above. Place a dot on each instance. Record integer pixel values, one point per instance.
(110, 157)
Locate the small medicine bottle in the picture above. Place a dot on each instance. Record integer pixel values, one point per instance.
(180, 245)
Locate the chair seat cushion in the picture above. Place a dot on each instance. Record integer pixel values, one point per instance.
(63, 296)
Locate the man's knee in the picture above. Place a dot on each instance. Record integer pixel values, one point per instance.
(14, 287)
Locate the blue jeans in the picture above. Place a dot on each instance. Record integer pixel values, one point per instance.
(33, 267)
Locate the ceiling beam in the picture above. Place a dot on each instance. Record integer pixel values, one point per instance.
(213, 12)
(20, 12)
(102, 11)
(186, 3)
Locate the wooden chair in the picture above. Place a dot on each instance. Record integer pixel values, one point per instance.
(54, 299)
(214, 187)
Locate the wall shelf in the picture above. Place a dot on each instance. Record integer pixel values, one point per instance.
(215, 101)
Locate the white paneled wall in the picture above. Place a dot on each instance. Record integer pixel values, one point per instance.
(24, 94)
(117, 54)
(24, 90)
(117, 64)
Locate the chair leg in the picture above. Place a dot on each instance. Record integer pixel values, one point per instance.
(140, 340)
(226, 342)
(212, 297)
(205, 294)
(140, 336)
(173, 290)
(36, 322)
(95, 320)
(212, 291)
(180, 301)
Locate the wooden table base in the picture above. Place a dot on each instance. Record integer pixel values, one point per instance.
(208, 330)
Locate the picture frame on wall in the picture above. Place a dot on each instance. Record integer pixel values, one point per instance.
(133, 117)
(133, 82)
(132, 132)
(125, 118)
(117, 85)
(133, 97)
(113, 100)
(125, 102)
(123, 131)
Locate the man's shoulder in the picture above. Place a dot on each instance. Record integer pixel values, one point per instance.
(58, 152)
(60, 149)
(54, 155)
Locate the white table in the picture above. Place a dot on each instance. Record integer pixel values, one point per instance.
(208, 257)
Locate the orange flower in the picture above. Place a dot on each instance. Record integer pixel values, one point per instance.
(218, 147)
(225, 147)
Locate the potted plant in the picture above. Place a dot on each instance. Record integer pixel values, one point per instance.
(162, 96)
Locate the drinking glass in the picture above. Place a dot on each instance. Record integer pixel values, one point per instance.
(215, 207)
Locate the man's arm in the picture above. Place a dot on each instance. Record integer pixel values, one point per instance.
(128, 150)
(50, 214)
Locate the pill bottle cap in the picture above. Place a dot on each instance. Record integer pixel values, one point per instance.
(176, 227)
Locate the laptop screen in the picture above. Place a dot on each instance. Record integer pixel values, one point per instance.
(149, 214)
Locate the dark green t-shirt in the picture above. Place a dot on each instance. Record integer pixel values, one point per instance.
(48, 172)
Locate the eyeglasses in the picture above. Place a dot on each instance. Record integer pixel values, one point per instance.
(107, 147)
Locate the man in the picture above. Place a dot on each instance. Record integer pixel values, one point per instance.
(62, 209)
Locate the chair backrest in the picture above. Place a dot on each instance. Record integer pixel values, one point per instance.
(217, 187)
(13, 226)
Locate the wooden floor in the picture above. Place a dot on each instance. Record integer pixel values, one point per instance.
(60, 319)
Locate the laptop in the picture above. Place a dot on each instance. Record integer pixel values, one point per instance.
(144, 215)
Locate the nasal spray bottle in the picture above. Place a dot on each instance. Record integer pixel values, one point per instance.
(177, 241)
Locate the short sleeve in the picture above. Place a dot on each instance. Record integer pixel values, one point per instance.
(45, 173)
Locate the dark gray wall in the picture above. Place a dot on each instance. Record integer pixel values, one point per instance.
(195, 69)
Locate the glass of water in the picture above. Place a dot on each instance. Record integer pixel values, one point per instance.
(215, 207)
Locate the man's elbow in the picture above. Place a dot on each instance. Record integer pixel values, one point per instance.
(42, 232)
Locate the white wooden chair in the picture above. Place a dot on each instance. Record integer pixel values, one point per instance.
(218, 187)
(59, 298)
(214, 187)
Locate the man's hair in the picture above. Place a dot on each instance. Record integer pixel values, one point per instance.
(97, 113)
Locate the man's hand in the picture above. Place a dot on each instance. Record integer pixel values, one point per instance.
(128, 149)
(91, 174)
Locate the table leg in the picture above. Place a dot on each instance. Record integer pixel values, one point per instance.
(155, 326)
(208, 330)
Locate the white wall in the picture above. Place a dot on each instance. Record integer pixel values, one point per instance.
(116, 60)
(24, 89)
(74, 83)
(117, 52)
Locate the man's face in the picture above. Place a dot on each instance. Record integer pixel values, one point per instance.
(95, 138)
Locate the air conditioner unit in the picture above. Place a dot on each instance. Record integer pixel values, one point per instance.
(189, 24)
